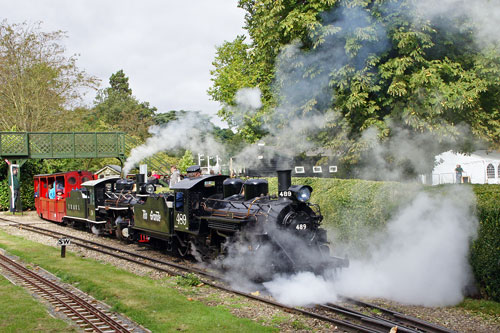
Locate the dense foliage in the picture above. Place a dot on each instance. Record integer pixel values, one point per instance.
(37, 81)
(485, 253)
(29, 169)
(116, 109)
(370, 64)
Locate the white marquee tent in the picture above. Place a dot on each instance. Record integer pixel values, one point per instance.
(480, 167)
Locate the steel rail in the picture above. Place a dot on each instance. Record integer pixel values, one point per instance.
(415, 322)
(381, 323)
(49, 289)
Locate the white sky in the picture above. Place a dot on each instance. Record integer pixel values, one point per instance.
(165, 47)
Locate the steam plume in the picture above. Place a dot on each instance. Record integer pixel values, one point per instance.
(189, 132)
(420, 258)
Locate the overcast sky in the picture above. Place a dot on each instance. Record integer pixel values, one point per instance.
(165, 47)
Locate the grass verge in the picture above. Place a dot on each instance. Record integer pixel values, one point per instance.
(22, 313)
(152, 303)
(483, 308)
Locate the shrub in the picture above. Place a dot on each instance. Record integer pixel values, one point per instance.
(485, 250)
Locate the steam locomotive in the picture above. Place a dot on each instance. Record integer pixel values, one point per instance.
(209, 216)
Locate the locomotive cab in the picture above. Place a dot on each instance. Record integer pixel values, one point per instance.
(189, 194)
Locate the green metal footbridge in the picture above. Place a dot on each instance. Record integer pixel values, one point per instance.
(18, 147)
(21, 146)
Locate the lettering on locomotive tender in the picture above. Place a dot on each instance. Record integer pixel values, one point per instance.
(73, 207)
(153, 215)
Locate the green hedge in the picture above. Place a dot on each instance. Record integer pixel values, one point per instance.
(485, 251)
(354, 209)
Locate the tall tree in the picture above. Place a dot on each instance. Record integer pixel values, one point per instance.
(38, 82)
(119, 83)
(115, 108)
(368, 64)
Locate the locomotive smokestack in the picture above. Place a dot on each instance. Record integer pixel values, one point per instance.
(284, 180)
(140, 179)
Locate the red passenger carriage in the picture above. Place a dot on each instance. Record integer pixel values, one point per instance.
(51, 205)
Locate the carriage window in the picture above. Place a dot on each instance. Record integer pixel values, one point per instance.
(71, 180)
(490, 171)
(209, 183)
(85, 179)
(179, 201)
(498, 171)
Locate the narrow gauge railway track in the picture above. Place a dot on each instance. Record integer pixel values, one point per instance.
(364, 323)
(404, 323)
(86, 315)
(419, 324)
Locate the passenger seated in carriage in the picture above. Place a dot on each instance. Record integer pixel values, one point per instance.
(52, 191)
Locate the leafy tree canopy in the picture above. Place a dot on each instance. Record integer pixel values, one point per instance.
(38, 82)
(164, 118)
(115, 108)
(361, 64)
(186, 161)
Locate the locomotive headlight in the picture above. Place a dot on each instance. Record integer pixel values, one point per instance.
(150, 188)
(301, 193)
(147, 189)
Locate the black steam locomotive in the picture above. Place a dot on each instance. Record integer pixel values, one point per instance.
(211, 215)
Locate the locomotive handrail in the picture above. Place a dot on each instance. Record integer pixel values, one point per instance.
(260, 206)
(226, 213)
(258, 198)
(232, 201)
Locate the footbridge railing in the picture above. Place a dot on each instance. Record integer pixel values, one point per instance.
(26, 145)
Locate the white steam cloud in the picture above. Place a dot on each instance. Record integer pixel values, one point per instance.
(421, 258)
(249, 98)
(189, 132)
(484, 14)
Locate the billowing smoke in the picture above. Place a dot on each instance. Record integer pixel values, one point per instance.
(304, 95)
(406, 154)
(483, 14)
(189, 132)
(249, 98)
(420, 258)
